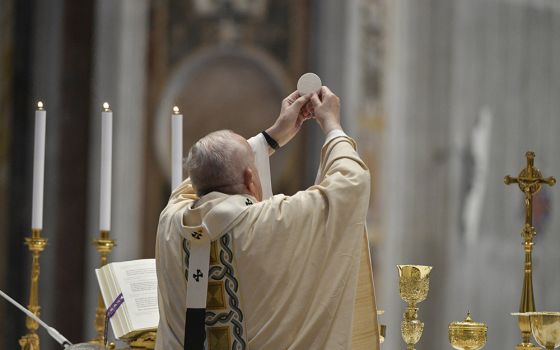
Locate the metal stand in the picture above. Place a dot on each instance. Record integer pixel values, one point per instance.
(104, 246)
(36, 245)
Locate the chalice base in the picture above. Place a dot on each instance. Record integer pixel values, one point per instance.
(527, 346)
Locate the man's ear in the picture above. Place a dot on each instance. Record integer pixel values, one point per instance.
(249, 181)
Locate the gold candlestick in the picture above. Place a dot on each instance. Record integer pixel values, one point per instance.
(36, 244)
(104, 246)
(414, 284)
(530, 181)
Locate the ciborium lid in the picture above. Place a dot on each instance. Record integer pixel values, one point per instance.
(468, 334)
(468, 323)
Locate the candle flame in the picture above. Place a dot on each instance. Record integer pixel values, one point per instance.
(106, 107)
(39, 105)
(175, 110)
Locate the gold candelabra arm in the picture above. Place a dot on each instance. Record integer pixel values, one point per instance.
(104, 245)
(36, 244)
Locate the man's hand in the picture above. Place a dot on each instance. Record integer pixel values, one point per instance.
(327, 110)
(290, 119)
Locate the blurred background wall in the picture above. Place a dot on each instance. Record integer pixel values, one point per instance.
(443, 96)
(471, 86)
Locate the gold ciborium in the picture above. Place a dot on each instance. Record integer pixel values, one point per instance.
(414, 283)
(467, 335)
(545, 327)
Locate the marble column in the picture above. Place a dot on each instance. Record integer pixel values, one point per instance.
(336, 56)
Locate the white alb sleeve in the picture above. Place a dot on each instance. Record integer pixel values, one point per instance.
(260, 150)
(333, 134)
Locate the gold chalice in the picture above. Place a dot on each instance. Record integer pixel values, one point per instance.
(414, 284)
(467, 335)
(546, 328)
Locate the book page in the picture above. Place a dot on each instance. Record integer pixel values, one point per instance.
(138, 282)
(108, 290)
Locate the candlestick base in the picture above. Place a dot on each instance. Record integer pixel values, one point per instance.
(104, 245)
(99, 323)
(29, 341)
(36, 244)
(525, 327)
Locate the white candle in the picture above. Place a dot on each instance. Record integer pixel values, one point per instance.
(106, 165)
(39, 167)
(176, 148)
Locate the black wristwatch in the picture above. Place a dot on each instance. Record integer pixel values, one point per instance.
(271, 142)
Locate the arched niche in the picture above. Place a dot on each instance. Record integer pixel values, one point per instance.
(233, 88)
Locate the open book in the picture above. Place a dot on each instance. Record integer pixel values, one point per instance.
(137, 281)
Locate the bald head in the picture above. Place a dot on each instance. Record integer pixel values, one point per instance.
(223, 161)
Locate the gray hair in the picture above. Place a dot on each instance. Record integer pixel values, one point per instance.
(217, 161)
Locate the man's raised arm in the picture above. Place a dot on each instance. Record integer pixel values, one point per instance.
(341, 193)
(281, 132)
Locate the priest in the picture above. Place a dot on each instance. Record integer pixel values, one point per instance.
(240, 269)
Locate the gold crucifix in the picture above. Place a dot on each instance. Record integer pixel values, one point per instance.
(530, 181)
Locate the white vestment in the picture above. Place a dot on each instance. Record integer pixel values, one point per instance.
(291, 263)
